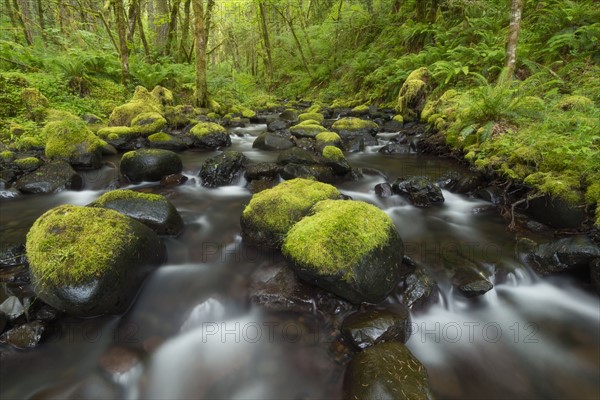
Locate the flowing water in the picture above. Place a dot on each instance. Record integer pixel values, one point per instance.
(192, 334)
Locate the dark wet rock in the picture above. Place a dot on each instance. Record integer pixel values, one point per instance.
(12, 308)
(421, 191)
(11, 254)
(318, 172)
(276, 287)
(273, 141)
(419, 289)
(462, 183)
(278, 125)
(383, 190)
(173, 180)
(209, 135)
(307, 144)
(392, 126)
(377, 325)
(362, 265)
(46, 313)
(153, 210)
(475, 287)
(26, 336)
(150, 164)
(118, 361)
(394, 148)
(265, 170)
(386, 371)
(289, 115)
(466, 276)
(223, 169)
(492, 194)
(297, 156)
(92, 386)
(90, 261)
(50, 178)
(7, 176)
(357, 144)
(166, 142)
(595, 274)
(3, 321)
(556, 213)
(563, 255)
(258, 185)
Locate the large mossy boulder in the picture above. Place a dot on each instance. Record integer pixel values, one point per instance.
(153, 210)
(328, 139)
(334, 158)
(72, 141)
(271, 213)
(150, 164)
(143, 125)
(53, 177)
(90, 261)
(386, 371)
(307, 129)
(209, 135)
(141, 102)
(350, 248)
(223, 169)
(351, 127)
(315, 116)
(413, 95)
(164, 141)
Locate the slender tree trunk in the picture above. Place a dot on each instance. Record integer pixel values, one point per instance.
(396, 6)
(185, 31)
(162, 27)
(132, 17)
(24, 27)
(172, 26)
(296, 40)
(201, 95)
(432, 14)
(122, 29)
(420, 10)
(13, 20)
(516, 12)
(143, 36)
(266, 41)
(208, 20)
(40, 15)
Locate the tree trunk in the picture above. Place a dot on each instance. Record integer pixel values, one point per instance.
(162, 29)
(396, 6)
(143, 35)
(185, 32)
(40, 15)
(132, 17)
(13, 20)
(516, 12)
(122, 29)
(420, 10)
(19, 14)
(201, 95)
(207, 20)
(266, 41)
(296, 40)
(432, 14)
(172, 26)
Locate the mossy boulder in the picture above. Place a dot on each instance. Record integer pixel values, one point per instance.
(413, 95)
(386, 371)
(90, 261)
(163, 96)
(165, 141)
(141, 102)
(297, 155)
(142, 125)
(273, 141)
(150, 164)
(360, 111)
(575, 102)
(52, 177)
(328, 139)
(271, 213)
(153, 210)
(209, 135)
(289, 115)
(315, 116)
(179, 116)
(349, 248)
(223, 169)
(307, 129)
(27, 164)
(334, 158)
(350, 127)
(36, 104)
(72, 141)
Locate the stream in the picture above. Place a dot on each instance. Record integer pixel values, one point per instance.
(192, 333)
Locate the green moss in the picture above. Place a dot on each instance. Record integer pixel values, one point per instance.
(66, 139)
(398, 118)
(345, 103)
(148, 123)
(206, 128)
(114, 132)
(318, 117)
(142, 102)
(33, 98)
(59, 115)
(337, 235)
(353, 124)
(333, 153)
(7, 156)
(308, 127)
(577, 103)
(28, 163)
(362, 109)
(214, 106)
(160, 137)
(565, 186)
(163, 96)
(421, 74)
(315, 108)
(212, 115)
(279, 208)
(243, 111)
(127, 195)
(71, 244)
(328, 137)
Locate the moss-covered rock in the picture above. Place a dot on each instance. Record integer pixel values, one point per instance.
(245, 112)
(142, 102)
(27, 164)
(209, 135)
(329, 138)
(271, 213)
(413, 95)
(359, 111)
(386, 371)
(7, 156)
(307, 128)
(575, 102)
(315, 116)
(52, 177)
(153, 210)
(162, 140)
(350, 248)
(90, 261)
(150, 164)
(179, 116)
(142, 125)
(223, 169)
(334, 158)
(352, 127)
(289, 115)
(163, 96)
(35, 103)
(72, 141)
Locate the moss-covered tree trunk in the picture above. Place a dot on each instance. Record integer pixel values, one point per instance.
(266, 40)
(123, 49)
(185, 33)
(201, 95)
(19, 14)
(516, 12)
(171, 36)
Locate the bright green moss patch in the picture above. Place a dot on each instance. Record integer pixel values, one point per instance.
(577, 103)
(70, 137)
(328, 137)
(398, 118)
(362, 109)
(333, 153)
(337, 235)
(77, 244)
(127, 195)
(315, 116)
(308, 127)
(7, 156)
(142, 102)
(279, 208)
(28, 163)
(353, 124)
(206, 128)
(160, 137)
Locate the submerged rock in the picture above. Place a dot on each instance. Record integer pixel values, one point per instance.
(419, 289)
(563, 255)
(26, 336)
(420, 190)
(50, 178)
(153, 210)
(271, 213)
(386, 371)
(223, 169)
(350, 248)
(89, 261)
(383, 190)
(371, 326)
(150, 164)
